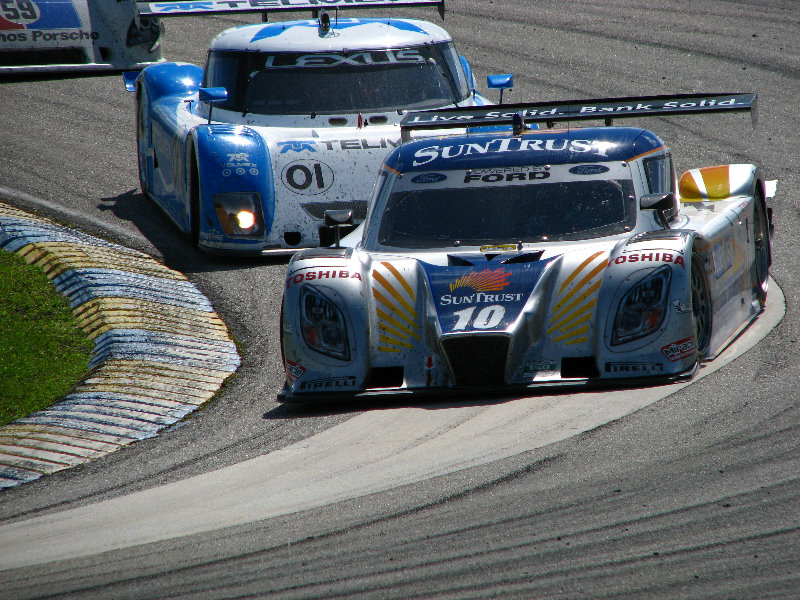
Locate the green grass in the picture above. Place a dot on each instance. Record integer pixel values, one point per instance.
(43, 354)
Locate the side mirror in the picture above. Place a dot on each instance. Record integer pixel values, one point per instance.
(211, 95)
(663, 204)
(657, 201)
(338, 219)
(500, 82)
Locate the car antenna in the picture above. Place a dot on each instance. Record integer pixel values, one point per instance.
(325, 21)
(518, 123)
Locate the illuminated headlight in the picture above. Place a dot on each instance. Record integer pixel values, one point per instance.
(643, 308)
(239, 213)
(322, 324)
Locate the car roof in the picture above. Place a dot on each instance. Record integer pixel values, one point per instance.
(534, 147)
(345, 33)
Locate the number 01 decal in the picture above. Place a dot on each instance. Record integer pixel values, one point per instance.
(488, 317)
(307, 177)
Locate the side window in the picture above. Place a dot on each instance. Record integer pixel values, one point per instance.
(660, 174)
(222, 71)
(456, 70)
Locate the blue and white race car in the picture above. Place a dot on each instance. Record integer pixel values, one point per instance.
(77, 35)
(495, 261)
(288, 120)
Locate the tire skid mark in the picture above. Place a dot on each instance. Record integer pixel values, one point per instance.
(160, 349)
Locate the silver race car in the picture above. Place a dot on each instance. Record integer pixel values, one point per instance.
(506, 259)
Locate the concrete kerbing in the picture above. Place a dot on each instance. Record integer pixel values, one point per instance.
(160, 349)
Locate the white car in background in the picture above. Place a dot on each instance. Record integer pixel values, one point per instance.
(288, 119)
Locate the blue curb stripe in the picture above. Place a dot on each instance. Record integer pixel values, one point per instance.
(131, 407)
(11, 475)
(83, 285)
(154, 403)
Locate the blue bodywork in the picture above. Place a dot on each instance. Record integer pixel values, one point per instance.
(218, 182)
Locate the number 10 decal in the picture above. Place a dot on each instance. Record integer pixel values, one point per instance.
(488, 317)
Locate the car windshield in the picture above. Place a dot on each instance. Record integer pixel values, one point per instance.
(567, 210)
(293, 83)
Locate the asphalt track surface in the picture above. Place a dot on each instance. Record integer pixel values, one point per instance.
(694, 495)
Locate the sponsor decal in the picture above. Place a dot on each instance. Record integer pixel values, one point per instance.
(350, 144)
(479, 298)
(334, 59)
(483, 281)
(294, 371)
(429, 178)
(54, 21)
(307, 177)
(430, 153)
(595, 109)
(330, 383)
(634, 367)
(664, 257)
(239, 163)
(321, 275)
(298, 146)
(506, 174)
(395, 302)
(588, 169)
(680, 349)
(537, 366)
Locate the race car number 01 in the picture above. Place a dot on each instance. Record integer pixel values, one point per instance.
(308, 177)
(19, 11)
(488, 317)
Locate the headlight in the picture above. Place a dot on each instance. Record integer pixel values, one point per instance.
(322, 324)
(240, 213)
(643, 308)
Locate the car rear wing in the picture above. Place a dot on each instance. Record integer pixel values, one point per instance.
(177, 8)
(550, 113)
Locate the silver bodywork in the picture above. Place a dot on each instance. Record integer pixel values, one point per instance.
(534, 313)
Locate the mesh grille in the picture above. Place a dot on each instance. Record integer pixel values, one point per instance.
(477, 360)
(317, 209)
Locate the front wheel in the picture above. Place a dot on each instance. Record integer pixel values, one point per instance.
(194, 201)
(141, 142)
(701, 306)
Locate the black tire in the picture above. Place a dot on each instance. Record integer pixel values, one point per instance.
(761, 262)
(701, 306)
(194, 201)
(141, 144)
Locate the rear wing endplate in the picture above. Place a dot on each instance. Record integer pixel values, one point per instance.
(606, 109)
(177, 8)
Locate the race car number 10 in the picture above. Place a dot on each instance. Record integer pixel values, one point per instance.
(488, 317)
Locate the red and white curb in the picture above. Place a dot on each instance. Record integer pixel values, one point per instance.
(160, 349)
